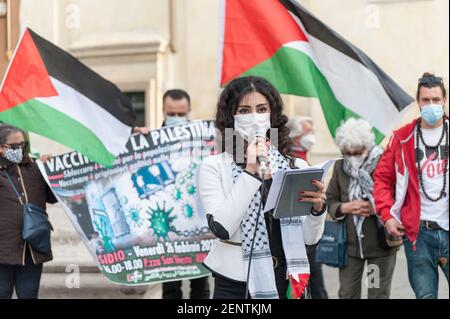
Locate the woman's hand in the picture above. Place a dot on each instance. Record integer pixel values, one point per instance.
(258, 147)
(357, 207)
(365, 209)
(317, 198)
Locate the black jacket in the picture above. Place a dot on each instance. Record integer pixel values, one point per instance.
(12, 245)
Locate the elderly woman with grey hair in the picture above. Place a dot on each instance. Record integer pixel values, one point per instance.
(350, 200)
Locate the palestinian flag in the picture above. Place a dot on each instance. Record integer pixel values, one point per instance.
(49, 92)
(284, 43)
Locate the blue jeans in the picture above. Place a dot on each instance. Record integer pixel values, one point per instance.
(424, 263)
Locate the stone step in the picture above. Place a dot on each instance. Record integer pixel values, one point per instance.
(53, 267)
(61, 285)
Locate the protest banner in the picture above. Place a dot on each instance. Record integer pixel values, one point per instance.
(141, 219)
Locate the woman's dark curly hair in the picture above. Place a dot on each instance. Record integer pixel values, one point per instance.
(228, 104)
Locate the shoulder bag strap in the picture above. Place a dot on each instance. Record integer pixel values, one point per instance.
(19, 197)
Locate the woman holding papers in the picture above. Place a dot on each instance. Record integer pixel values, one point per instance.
(256, 254)
(350, 199)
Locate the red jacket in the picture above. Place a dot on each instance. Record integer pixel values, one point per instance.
(396, 185)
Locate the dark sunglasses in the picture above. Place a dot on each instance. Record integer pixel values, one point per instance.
(16, 146)
(431, 80)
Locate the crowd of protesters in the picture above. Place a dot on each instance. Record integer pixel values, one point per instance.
(386, 198)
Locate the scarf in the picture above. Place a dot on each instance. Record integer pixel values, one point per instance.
(361, 182)
(262, 283)
(300, 154)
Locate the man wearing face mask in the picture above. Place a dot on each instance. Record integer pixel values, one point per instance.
(176, 109)
(411, 188)
(302, 135)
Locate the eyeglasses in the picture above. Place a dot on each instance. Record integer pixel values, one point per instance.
(356, 153)
(16, 145)
(431, 80)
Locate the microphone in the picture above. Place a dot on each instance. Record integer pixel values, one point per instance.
(261, 158)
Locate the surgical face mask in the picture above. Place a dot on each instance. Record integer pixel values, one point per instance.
(176, 120)
(308, 141)
(14, 155)
(248, 125)
(356, 161)
(432, 113)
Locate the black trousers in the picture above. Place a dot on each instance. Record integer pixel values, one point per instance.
(228, 289)
(316, 281)
(199, 289)
(225, 288)
(24, 279)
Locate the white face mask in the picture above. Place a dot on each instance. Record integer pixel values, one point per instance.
(432, 113)
(248, 125)
(356, 161)
(308, 141)
(176, 120)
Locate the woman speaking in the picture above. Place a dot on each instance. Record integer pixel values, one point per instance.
(255, 254)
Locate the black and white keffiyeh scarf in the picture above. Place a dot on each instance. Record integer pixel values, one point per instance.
(262, 283)
(361, 182)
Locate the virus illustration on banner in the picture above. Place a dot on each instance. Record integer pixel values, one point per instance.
(133, 216)
(189, 175)
(186, 174)
(191, 189)
(161, 221)
(177, 194)
(101, 228)
(188, 211)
